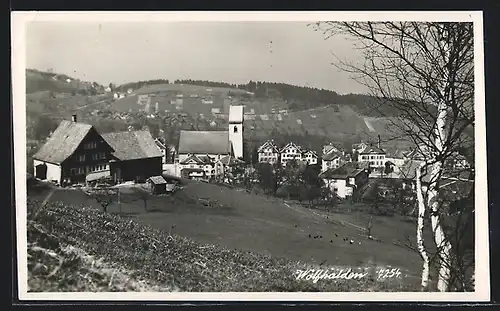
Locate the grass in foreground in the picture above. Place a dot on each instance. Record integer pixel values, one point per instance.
(82, 249)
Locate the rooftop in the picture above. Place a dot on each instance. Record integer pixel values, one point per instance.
(203, 142)
(345, 171)
(132, 145)
(230, 161)
(157, 180)
(373, 150)
(63, 142)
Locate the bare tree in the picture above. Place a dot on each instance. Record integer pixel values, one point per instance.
(424, 71)
(104, 196)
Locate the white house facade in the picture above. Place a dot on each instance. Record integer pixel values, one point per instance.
(291, 151)
(375, 156)
(310, 157)
(345, 180)
(268, 153)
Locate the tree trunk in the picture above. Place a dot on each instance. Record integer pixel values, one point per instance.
(420, 230)
(442, 244)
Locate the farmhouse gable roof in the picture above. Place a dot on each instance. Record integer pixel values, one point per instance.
(132, 145)
(63, 142)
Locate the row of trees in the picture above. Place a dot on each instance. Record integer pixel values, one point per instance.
(137, 85)
(294, 181)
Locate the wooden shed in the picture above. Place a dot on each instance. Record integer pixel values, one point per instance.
(158, 184)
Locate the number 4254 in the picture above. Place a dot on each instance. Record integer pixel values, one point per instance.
(389, 273)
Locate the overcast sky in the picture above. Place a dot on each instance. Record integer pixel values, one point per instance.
(232, 52)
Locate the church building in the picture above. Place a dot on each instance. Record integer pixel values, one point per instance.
(213, 145)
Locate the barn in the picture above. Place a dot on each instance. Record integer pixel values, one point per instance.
(136, 156)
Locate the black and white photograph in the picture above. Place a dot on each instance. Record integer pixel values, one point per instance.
(250, 155)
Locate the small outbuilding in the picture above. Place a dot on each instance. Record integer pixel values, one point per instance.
(158, 184)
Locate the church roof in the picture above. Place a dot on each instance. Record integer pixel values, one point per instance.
(204, 142)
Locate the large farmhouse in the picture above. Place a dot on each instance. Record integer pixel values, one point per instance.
(77, 153)
(73, 151)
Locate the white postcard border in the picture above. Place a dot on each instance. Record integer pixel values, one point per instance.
(18, 44)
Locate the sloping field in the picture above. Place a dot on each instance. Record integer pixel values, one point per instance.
(81, 249)
(267, 226)
(36, 82)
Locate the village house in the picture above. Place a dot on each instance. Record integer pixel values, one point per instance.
(73, 151)
(228, 164)
(268, 153)
(199, 166)
(330, 160)
(333, 147)
(136, 156)
(358, 148)
(345, 180)
(289, 152)
(396, 159)
(449, 176)
(310, 157)
(418, 153)
(168, 151)
(375, 156)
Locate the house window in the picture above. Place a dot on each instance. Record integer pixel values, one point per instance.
(81, 170)
(99, 156)
(81, 158)
(90, 145)
(236, 129)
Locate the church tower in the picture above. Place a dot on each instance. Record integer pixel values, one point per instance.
(236, 130)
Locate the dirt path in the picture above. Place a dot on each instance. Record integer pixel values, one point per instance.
(49, 195)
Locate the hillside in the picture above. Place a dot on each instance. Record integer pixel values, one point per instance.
(81, 249)
(279, 113)
(40, 81)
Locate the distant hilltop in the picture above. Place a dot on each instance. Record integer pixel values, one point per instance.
(40, 81)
